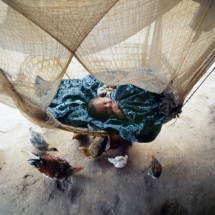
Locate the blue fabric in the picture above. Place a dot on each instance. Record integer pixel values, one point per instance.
(140, 107)
(69, 105)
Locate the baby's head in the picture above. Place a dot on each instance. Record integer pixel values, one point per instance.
(100, 108)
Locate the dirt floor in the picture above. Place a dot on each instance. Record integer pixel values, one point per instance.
(186, 187)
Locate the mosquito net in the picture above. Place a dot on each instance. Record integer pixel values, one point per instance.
(161, 46)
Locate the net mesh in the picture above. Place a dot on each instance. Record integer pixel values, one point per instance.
(161, 46)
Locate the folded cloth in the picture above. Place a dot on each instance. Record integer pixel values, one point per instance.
(167, 104)
(104, 91)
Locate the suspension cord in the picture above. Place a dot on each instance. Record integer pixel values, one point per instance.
(198, 87)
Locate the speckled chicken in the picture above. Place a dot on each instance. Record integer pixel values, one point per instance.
(53, 167)
(155, 167)
(96, 148)
(39, 142)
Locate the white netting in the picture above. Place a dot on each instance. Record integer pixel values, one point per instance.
(158, 45)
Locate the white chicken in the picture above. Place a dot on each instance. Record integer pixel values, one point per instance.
(119, 161)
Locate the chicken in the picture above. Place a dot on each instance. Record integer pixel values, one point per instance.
(96, 148)
(155, 167)
(53, 167)
(119, 161)
(78, 136)
(39, 142)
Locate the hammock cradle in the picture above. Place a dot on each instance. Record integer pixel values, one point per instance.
(160, 46)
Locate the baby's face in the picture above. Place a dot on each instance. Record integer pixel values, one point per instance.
(103, 107)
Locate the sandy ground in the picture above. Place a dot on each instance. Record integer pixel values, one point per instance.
(186, 186)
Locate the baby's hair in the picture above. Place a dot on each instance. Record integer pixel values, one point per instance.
(92, 109)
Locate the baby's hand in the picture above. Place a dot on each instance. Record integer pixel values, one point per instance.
(117, 111)
(115, 106)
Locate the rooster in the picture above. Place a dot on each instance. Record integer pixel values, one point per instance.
(39, 142)
(53, 167)
(96, 148)
(155, 167)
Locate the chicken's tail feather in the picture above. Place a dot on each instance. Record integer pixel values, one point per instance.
(36, 163)
(34, 155)
(111, 160)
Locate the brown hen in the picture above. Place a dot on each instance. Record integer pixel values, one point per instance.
(96, 148)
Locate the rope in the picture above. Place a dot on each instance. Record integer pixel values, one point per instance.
(198, 86)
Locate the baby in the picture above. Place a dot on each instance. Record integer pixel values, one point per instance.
(102, 107)
(137, 112)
